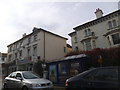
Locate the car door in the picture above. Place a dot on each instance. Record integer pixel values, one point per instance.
(18, 80)
(87, 80)
(101, 78)
(106, 78)
(10, 80)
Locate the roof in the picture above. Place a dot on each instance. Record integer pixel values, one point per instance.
(96, 20)
(36, 30)
(69, 46)
(72, 33)
(70, 58)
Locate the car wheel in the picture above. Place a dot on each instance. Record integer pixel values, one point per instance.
(24, 88)
(5, 87)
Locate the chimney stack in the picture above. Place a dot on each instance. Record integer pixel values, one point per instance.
(24, 35)
(99, 13)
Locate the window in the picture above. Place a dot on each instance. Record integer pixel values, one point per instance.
(20, 53)
(10, 57)
(35, 37)
(29, 40)
(90, 76)
(62, 68)
(85, 32)
(88, 44)
(109, 41)
(12, 75)
(114, 23)
(106, 74)
(74, 68)
(116, 38)
(76, 48)
(21, 44)
(10, 48)
(35, 50)
(18, 75)
(3, 59)
(75, 39)
(15, 55)
(64, 49)
(88, 32)
(110, 24)
(28, 52)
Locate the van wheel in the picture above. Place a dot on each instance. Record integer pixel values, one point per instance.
(24, 88)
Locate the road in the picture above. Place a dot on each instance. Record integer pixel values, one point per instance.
(59, 88)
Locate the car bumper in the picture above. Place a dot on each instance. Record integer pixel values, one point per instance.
(42, 88)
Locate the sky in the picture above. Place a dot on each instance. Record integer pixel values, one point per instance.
(58, 16)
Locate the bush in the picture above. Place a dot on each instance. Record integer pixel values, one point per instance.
(109, 56)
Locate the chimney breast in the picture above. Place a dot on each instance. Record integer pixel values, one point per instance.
(99, 13)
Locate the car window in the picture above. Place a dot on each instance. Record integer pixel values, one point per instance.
(12, 75)
(18, 75)
(90, 75)
(30, 75)
(106, 74)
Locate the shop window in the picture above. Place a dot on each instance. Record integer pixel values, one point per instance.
(74, 68)
(62, 68)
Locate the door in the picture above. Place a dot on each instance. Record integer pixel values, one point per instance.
(10, 80)
(18, 81)
(106, 78)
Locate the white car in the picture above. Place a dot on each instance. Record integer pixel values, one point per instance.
(26, 80)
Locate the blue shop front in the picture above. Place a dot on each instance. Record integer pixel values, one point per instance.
(59, 71)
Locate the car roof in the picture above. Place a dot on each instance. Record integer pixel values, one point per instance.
(21, 71)
(108, 67)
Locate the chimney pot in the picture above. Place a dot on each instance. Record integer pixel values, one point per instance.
(99, 13)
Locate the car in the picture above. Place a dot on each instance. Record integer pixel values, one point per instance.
(102, 78)
(26, 80)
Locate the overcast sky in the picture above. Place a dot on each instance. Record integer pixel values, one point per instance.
(60, 17)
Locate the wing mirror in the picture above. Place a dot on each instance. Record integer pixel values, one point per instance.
(19, 78)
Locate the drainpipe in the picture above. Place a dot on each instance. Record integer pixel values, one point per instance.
(44, 65)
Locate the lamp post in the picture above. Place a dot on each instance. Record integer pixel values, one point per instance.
(100, 60)
(44, 71)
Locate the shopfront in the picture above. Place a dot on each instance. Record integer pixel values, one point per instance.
(59, 71)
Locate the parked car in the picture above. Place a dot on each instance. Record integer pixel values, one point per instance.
(26, 80)
(103, 78)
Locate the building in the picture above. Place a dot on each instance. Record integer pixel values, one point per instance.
(3, 57)
(3, 72)
(59, 71)
(103, 32)
(69, 48)
(40, 45)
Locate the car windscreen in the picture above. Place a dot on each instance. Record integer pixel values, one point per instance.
(30, 75)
